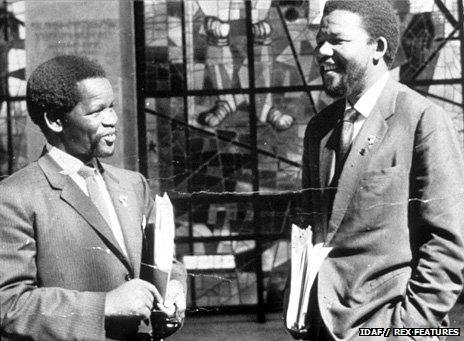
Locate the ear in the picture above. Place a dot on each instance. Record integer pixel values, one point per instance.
(54, 124)
(381, 46)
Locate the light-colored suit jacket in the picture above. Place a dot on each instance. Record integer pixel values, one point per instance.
(58, 256)
(397, 221)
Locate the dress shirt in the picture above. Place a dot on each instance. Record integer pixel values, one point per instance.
(363, 106)
(71, 166)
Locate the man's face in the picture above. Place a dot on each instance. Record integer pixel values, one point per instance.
(89, 130)
(344, 53)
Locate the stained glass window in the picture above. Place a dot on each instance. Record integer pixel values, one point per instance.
(229, 89)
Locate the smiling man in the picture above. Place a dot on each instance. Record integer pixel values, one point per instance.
(71, 227)
(383, 184)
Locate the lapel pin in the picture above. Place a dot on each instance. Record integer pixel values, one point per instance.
(123, 200)
(371, 140)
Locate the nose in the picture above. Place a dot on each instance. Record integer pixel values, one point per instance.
(109, 117)
(324, 50)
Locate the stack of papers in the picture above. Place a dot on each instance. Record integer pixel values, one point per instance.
(305, 263)
(158, 247)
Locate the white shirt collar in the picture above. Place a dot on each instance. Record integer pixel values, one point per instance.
(367, 101)
(67, 162)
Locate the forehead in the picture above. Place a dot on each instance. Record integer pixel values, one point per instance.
(95, 88)
(342, 23)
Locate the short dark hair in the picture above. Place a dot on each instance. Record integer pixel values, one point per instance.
(379, 20)
(52, 86)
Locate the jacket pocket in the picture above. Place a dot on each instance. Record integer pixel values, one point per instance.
(382, 173)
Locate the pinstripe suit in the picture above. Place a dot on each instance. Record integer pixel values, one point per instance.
(58, 256)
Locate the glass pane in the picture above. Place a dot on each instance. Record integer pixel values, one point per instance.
(285, 56)
(166, 144)
(216, 44)
(163, 47)
(276, 262)
(17, 155)
(223, 272)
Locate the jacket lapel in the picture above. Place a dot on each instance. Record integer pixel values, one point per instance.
(364, 146)
(325, 159)
(320, 158)
(327, 146)
(73, 195)
(125, 206)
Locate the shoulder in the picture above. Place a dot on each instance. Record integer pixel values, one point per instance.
(409, 98)
(27, 177)
(23, 188)
(419, 108)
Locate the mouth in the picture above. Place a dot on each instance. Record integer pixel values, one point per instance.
(110, 138)
(326, 68)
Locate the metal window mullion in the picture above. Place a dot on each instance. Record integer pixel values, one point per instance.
(9, 117)
(444, 10)
(185, 100)
(254, 156)
(139, 29)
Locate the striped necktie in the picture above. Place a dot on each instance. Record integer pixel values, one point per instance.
(95, 194)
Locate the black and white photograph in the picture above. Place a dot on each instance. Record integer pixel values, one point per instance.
(228, 170)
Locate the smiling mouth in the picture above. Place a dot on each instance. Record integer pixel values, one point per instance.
(110, 138)
(329, 68)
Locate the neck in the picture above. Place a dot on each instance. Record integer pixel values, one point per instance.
(86, 159)
(370, 79)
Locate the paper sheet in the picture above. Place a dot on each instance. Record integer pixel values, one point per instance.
(305, 263)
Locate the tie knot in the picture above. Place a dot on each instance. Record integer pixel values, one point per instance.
(350, 115)
(86, 171)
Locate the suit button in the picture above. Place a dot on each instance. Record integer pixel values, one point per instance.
(128, 277)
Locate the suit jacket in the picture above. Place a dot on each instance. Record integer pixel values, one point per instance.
(396, 225)
(58, 256)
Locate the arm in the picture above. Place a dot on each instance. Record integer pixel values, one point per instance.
(26, 309)
(437, 212)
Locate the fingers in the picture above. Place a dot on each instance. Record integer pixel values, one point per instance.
(152, 290)
(175, 298)
(180, 303)
(132, 299)
(142, 298)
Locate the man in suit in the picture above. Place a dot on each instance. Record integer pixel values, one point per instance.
(383, 185)
(70, 249)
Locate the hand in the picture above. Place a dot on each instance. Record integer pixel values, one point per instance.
(175, 299)
(133, 299)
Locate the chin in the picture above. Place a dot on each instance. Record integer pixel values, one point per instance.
(104, 153)
(334, 88)
(335, 92)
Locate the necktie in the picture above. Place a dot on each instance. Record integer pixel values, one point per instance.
(346, 136)
(95, 194)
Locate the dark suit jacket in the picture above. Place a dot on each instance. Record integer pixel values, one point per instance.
(58, 256)
(397, 221)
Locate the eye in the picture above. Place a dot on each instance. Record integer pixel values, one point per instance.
(95, 111)
(336, 41)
